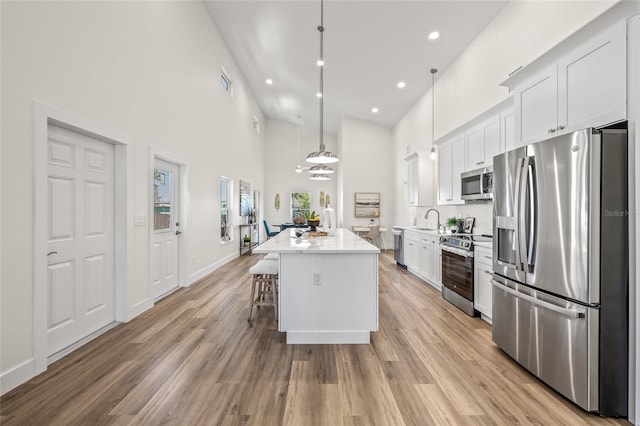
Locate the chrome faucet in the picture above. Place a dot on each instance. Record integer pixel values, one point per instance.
(426, 216)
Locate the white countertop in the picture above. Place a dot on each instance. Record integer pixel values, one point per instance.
(344, 241)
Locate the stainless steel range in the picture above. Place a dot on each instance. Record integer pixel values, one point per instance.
(457, 269)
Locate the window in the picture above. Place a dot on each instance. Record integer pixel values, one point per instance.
(300, 204)
(162, 197)
(225, 205)
(225, 80)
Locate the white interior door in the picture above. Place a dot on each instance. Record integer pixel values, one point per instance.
(80, 240)
(166, 228)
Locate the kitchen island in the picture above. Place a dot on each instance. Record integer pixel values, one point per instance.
(328, 287)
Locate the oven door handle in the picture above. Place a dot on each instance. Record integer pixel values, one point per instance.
(571, 313)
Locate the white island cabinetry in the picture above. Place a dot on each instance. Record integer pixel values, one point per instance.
(328, 287)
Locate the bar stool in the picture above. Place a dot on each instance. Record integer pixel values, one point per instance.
(265, 278)
(271, 256)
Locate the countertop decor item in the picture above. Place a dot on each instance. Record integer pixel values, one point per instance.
(468, 224)
(321, 198)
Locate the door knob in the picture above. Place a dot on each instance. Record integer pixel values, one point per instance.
(560, 127)
(178, 232)
(551, 130)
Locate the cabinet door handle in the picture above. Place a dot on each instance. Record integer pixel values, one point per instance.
(489, 257)
(479, 162)
(449, 199)
(551, 131)
(488, 272)
(560, 127)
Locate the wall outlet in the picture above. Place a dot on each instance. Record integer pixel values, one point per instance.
(139, 220)
(317, 278)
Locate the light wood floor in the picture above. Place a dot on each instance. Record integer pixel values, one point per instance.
(193, 359)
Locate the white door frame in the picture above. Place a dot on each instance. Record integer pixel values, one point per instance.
(161, 154)
(43, 115)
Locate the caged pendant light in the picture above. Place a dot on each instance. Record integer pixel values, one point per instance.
(321, 156)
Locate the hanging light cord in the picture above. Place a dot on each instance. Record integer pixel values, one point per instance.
(433, 106)
(321, 30)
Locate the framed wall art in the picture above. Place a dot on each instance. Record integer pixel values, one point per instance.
(367, 204)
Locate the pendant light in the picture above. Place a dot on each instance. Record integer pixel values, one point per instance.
(321, 169)
(321, 156)
(432, 154)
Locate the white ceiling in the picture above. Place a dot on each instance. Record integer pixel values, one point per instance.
(369, 47)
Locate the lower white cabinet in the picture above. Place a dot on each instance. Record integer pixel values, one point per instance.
(422, 256)
(482, 287)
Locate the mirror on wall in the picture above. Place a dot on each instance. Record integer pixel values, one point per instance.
(245, 198)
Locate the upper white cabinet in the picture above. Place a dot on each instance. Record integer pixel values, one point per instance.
(451, 163)
(584, 88)
(508, 129)
(419, 179)
(482, 143)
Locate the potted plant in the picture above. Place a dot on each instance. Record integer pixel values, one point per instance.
(452, 224)
(246, 239)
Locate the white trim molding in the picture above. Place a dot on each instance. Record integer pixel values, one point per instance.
(161, 154)
(43, 115)
(198, 275)
(17, 375)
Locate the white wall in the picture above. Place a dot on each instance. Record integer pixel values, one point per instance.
(281, 157)
(148, 70)
(520, 33)
(365, 153)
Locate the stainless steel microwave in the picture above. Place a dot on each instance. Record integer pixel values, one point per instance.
(477, 184)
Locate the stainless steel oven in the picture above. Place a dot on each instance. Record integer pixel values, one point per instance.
(457, 278)
(457, 269)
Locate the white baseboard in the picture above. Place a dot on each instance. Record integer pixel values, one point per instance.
(357, 337)
(66, 351)
(17, 375)
(139, 308)
(209, 269)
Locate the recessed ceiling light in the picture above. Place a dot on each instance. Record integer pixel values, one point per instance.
(434, 35)
(374, 110)
(320, 62)
(319, 95)
(269, 81)
(401, 85)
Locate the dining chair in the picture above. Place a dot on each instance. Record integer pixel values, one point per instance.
(268, 230)
(372, 235)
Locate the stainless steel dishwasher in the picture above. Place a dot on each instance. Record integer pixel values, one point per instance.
(398, 246)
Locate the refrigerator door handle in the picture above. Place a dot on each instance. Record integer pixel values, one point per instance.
(571, 313)
(521, 202)
(516, 211)
(533, 210)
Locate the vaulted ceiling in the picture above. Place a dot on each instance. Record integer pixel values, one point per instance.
(370, 46)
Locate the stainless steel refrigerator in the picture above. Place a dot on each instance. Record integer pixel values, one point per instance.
(560, 261)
